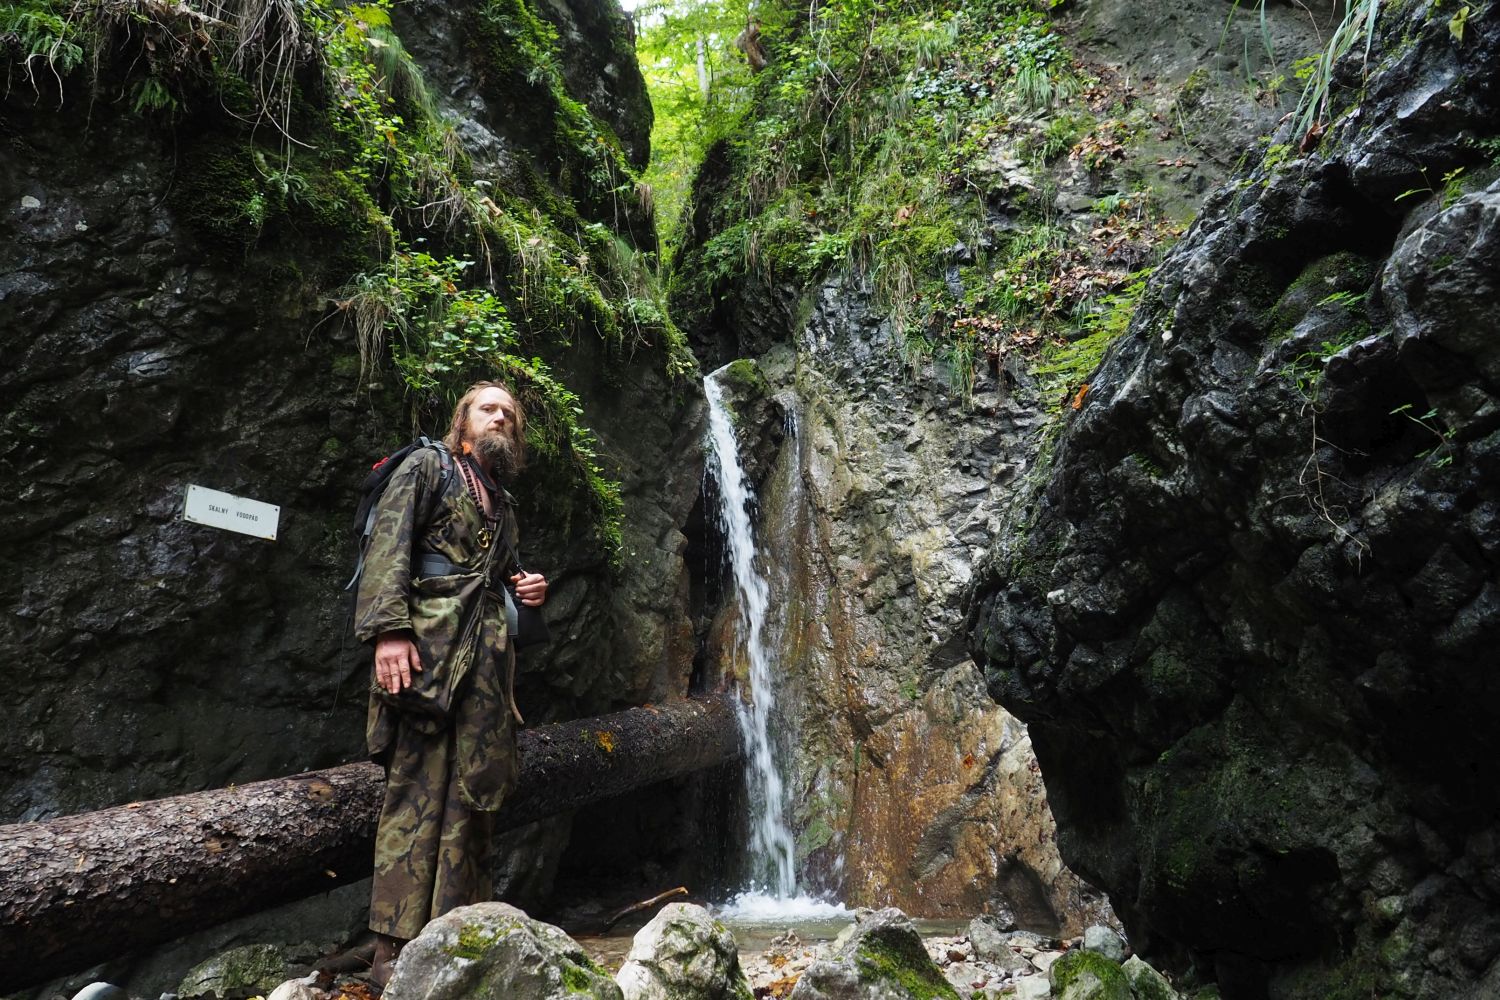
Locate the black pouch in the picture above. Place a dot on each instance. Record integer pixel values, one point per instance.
(531, 624)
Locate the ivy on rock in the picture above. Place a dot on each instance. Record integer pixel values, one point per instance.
(313, 151)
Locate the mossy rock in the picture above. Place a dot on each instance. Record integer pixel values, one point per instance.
(257, 967)
(1330, 275)
(1145, 982)
(496, 950)
(216, 188)
(1087, 975)
(893, 960)
(745, 376)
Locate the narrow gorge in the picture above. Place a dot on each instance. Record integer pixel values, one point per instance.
(1061, 429)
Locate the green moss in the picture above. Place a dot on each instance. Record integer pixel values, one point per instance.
(1194, 87)
(473, 942)
(905, 965)
(577, 980)
(345, 366)
(1276, 155)
(1148, 465)
(1146, 983)
(1354, 978)
(217, 189)
(1079, 966)
(1065, 365)
(745, 375)
(1343, 272)
(816, 835)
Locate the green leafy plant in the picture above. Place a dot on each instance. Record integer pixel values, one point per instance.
(49, 41)
(1443, 452)
(1451, 190)
(1066, 364)
(1357, 26)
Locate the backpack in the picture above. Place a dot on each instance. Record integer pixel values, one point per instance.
(375, 484)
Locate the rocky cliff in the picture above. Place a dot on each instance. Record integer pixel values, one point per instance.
(909, 787)
(1248, 611)
(906, 423)
(222, 271)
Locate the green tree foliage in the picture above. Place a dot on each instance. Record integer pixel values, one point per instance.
(700, 90)
(314, 142)
(874, 142)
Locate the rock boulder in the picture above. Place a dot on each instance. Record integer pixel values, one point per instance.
(259, 967)
(493, 951)
(683, 954)
(1087, 975)
(883, 959)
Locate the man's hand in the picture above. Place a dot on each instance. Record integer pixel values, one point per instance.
(531, 588)
(396, 659)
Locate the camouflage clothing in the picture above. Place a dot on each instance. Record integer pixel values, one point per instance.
(445, 773)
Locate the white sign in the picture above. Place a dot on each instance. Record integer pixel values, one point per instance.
(232, 513)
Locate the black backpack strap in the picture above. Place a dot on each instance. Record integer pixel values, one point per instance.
(445, 476)
(434, 499)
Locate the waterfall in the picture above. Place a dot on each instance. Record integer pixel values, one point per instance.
(772, 848)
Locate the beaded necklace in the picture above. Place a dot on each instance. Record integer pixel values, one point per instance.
(492, 517)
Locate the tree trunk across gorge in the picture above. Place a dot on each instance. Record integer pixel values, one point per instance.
(81, 889)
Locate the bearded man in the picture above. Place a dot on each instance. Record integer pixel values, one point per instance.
(432, 600)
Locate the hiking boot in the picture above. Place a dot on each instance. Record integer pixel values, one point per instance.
(387, 950)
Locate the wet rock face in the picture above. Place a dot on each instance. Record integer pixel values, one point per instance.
(598, 44)
(1207, 73)
(1248, 618)
(157, 655)
(912, 789)
(146, 351)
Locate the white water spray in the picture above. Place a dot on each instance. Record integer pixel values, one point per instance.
(772, 849)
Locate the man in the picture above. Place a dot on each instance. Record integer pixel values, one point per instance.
(441, 705)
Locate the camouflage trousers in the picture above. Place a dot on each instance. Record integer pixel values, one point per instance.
(431, 851)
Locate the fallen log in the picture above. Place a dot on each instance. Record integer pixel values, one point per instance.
(81, 889)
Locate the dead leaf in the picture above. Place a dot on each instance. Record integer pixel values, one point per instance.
(1083, 390)
(1310, 140)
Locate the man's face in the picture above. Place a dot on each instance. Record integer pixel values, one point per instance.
(492, 429)
(491, 412)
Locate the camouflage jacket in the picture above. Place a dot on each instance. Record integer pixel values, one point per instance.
(456, 620)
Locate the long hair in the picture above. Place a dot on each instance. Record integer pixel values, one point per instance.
(458, 427)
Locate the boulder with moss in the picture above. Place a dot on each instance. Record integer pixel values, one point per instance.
(683, 954)
(1145, 982)
(1087, 975)
(256, 967)
(493, 951)
(880, 958)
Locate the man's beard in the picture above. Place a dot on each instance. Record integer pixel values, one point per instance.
(497, 452)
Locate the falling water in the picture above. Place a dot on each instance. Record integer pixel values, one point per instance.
(771, 846)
